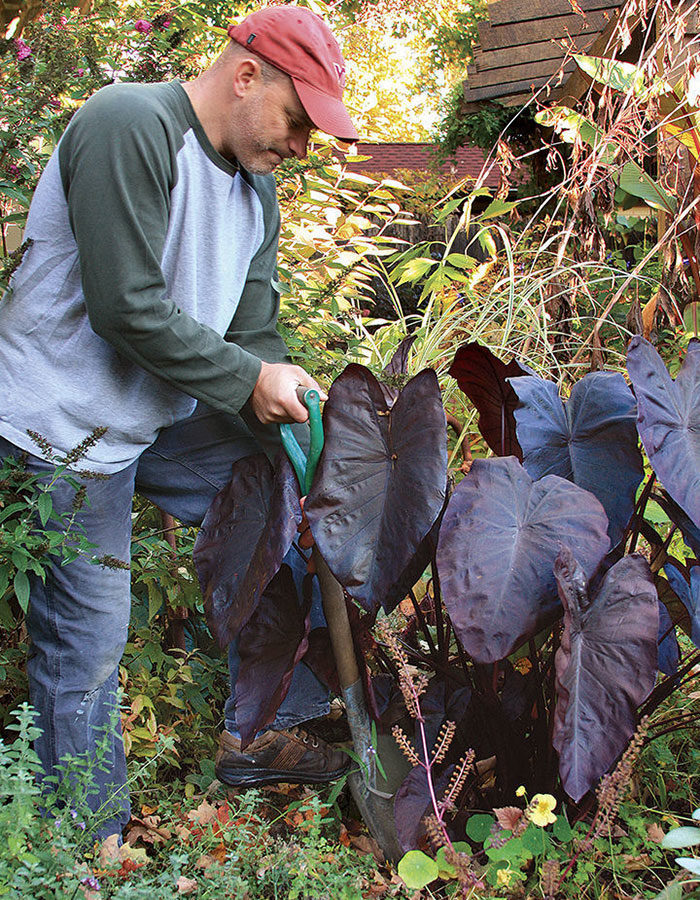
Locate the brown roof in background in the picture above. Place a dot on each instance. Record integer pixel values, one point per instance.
(524, 42)
(387, 158)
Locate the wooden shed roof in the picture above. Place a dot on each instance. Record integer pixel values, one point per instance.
(524, 42)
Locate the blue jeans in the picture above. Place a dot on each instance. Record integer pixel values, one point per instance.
(78, 619)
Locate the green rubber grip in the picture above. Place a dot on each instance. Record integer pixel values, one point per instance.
(305, 468)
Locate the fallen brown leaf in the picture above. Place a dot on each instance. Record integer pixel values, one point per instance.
(186, 885)
(655, 833)
(636, 863)
(205, 814)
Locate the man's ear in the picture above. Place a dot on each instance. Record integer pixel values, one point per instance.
(246, 75)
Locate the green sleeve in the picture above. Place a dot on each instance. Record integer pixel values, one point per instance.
(254, 325)
(118, 166)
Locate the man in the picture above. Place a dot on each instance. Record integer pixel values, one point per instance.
(145, 304)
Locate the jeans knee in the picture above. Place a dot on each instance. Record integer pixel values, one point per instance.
(100, 667)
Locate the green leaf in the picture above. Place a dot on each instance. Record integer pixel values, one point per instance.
(498, 208)
(445, 868)
(689, 863)
(45, 506)
(620, 76)
(513, 851)
(561, 829)
(461, 261)
(488, 244)
(672, 891)
(536, 839)
(416, 268)
(636, 182)
(10, 510)
(21, 585)
(687, 836)
(7, 620)
(479, 826)
(417, 870)
(20, 557)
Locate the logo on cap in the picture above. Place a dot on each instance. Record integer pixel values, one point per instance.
(340, 72)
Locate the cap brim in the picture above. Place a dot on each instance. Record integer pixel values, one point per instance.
(326, 112)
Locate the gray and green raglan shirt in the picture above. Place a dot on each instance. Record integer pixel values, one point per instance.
(148, 283)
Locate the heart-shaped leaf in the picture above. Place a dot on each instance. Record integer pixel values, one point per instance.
(319, 658)
(412, 801)
(244, 537)
(380, 482)
(270, 645)
(417, 870)
(688, 592)
(674, 607)
(668, 650)
(499, 538)
(668, 420)
(394, 373)
(606, 665)
(438, 705)
(690, 531)
(482, 377)
(591, 439)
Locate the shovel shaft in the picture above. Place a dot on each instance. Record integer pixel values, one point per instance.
(336, 615)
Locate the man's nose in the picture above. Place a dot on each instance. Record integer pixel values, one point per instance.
(298, 142)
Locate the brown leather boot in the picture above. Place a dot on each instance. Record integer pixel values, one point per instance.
(295, 756)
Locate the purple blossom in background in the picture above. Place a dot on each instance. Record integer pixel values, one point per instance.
(143, 26)
(91, 882)
(23, 50)
(12, 169)
(166, 23)
(79, 72)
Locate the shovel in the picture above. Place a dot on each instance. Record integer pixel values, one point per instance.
(372, 789)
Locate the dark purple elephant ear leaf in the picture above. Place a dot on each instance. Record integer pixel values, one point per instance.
(688, 592)
(394, 373)
(244, 537)
(269, 646)
(380, 483)
(690, 531)
(482, 376)
(412, 802)
(500, 536)
(668, 420)
(605, 666)
(591, 439)
(668, 650)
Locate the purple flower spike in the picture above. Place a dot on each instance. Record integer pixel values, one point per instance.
(143, 26)
(23, 50)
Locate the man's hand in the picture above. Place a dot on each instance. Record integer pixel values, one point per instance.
(274, 397)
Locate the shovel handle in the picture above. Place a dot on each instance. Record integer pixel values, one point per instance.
(336, 614)
(305, 468)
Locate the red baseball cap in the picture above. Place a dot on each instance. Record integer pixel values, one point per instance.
(299, 42)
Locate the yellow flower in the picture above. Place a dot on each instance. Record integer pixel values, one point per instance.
(540, 810)
(503, 877)
(520, 791)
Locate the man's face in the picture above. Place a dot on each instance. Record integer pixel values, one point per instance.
(272, 126)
